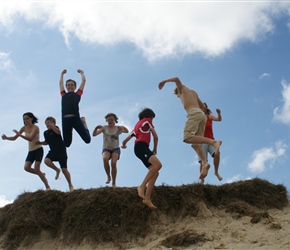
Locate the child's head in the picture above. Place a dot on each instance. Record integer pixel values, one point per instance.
(29, 115)
(146, 113)
(49, 120)
(111, 118)
(207, 110)
(70, 85)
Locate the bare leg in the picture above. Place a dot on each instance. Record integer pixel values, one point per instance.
(149, 179)
(205, 166)
(216, 161)
(147, 199)
(200, 140)
(36, 170)
(66, 173)
(114, 168)
(50, 164)
(106, 158)
(200, 169)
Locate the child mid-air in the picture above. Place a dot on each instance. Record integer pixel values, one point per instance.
(142, 131)
(52, 137)
(70, 109)
(35, 152)
(111, 149)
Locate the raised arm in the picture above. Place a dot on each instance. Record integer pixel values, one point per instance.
(218, 118)
(33, 133)
(99, 129)
(82, 86)
(178, 83)
(61, 83)
(53, 127)
(13, 138)
(123, 129)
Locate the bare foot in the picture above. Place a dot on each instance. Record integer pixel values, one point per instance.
(83, 119)
(149, 204)
(114, 185)
(204, 171)
(57, 173)
(47, 189)
(71, 188)
(108, 180)
(201, 181)
(217, 145)
(141, 192)
(218, 176)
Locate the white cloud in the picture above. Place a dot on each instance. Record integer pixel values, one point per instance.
(264, 75)
(234, 178)
(3, 201)
(5, 62)
(157, 29)
(266, 156)
(282, 114)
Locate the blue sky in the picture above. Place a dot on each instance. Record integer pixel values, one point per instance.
(235, 55)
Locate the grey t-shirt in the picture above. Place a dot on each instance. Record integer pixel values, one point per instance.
(111, 139)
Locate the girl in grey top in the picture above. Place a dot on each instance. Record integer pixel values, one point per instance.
(111, 150)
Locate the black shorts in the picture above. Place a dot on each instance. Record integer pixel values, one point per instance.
(35, 155)
(60, 157)
(142, 151)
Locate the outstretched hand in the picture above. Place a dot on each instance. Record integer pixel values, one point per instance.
(161, 85)
(4, 137)
(64, 72)
(80, 71)
(16, 132)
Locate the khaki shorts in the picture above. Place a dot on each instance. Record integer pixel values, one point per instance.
(195, 124)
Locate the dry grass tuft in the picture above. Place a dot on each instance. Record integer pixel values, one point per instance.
(118, 215)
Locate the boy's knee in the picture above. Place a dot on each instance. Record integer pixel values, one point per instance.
(47, 161)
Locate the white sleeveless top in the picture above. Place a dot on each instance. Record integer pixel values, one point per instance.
(31, 144)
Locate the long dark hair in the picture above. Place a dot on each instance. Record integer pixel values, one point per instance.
(31, 115)
(208, 111)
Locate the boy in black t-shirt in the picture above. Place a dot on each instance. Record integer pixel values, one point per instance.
(52, 137)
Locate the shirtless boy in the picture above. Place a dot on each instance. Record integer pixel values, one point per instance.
(195, 124)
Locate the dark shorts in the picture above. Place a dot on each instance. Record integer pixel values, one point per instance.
(113, 150)
(60, 157)
(142, 151)
(35, 155)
